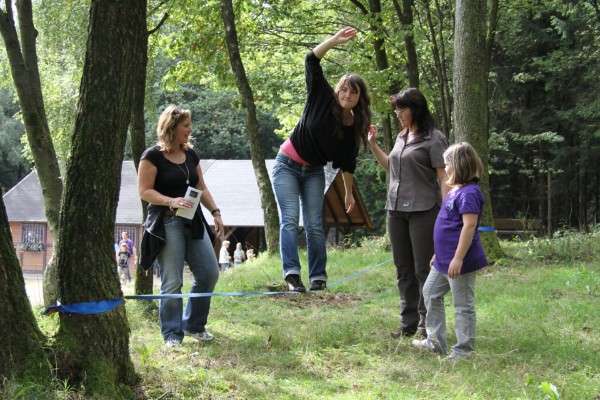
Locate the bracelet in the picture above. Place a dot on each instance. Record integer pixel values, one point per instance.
(170, 206)
(216, 210)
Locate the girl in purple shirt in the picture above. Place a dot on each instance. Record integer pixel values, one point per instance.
(458, 254)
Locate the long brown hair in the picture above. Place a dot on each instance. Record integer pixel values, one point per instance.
(362, 111)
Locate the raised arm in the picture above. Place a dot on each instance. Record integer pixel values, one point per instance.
(378, 153)
(342, 36)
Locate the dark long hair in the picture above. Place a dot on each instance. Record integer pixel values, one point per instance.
(421, 116)
(362, 111)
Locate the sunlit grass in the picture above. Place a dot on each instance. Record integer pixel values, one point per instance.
(537, 316)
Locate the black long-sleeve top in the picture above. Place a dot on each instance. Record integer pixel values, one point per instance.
(314, 137)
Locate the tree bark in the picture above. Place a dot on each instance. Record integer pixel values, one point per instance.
(381, 61)
(94, 347)
(267, 197)
(439, 59)
(22, 56)
(470, 98)
(22, 359)
(405, 16)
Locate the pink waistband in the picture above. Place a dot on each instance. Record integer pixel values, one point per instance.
(288, 149)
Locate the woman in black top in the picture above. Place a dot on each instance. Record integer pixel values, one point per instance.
(165, 172)
(334, 124)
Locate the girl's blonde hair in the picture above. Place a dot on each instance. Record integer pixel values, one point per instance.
(167, 122)
(464, 164)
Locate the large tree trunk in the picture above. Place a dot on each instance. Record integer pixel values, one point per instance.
(470, 98)
(22, 359)
(22, 56)
(94, 348)
(269, 205)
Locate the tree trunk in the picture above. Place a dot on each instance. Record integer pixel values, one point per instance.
(439, 59)
(22, 56)
(267, 197)
(381, 59)
(549, 203)
(143, 279)
(22, 359)
(94, 348)
(470, 98)
(406, 21)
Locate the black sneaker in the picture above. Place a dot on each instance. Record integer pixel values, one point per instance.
(294, 283)
(318, 285)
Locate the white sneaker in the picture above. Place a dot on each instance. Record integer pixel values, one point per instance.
(171, 343)
(426, 344)
(202, 336)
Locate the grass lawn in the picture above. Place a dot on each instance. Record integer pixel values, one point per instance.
(538, 334)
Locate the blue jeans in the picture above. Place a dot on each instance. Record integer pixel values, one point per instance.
(202, 261)
(463, 298)
(300, 185)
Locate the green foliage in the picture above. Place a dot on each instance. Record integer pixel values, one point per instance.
(61, 51)
(544, 79)
(371, 181)
(335, 344)
(565, 247)
(12, 165)
(219, 130)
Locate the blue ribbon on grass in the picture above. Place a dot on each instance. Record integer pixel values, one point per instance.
(96, 307)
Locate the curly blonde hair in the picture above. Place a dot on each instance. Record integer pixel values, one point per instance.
(167, 122)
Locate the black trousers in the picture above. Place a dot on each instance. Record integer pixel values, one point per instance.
(411, 236)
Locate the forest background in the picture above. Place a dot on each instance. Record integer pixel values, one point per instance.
(542, 88)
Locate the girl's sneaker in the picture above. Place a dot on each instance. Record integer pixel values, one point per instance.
(202, 336)
(171, 343)
(426, 344)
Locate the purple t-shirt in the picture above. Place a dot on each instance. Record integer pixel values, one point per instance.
(448, 225)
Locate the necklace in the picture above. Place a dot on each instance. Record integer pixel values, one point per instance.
(187, 176)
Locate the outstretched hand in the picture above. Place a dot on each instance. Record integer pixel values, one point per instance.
(345, 35)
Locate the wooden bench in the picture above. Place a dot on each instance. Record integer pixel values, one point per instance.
(511, 227)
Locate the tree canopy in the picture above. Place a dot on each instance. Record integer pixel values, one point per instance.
(543, 76)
